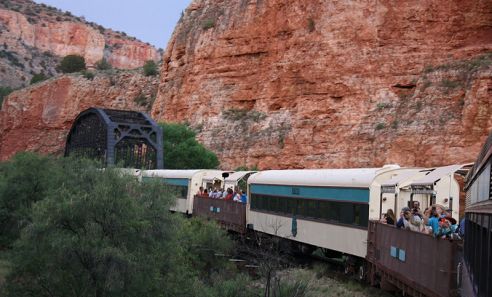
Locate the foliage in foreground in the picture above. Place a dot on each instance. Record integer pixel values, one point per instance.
(183, 151)
(93, 232)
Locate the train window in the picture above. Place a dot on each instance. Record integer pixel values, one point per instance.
(346, 213)
(332, 211)
(180, 191)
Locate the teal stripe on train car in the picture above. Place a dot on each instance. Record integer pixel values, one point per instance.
(169, 181)
(335, 193)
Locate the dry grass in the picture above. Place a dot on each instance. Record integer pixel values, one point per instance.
(322, 282)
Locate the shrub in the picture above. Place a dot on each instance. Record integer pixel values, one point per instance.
(208, 24)
(4, 92)
(380, 126)
(183, 151)
(311, 25)
(38, 77)
(103, 65)
(383, 105)
(72, 63)
(150, 68)
(88, 74)
(243, 115)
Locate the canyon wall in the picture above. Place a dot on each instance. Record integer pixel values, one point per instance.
(311, 84)
(38, 118)
(33, 37)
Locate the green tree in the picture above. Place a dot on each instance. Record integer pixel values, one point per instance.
(150, 68)
(95, 233)
(38, 77)
(183, 151)
(72, 63)
(23, 181)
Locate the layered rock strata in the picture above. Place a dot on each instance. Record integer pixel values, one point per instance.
(310, 84)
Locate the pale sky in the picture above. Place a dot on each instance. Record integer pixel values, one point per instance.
(151, 21)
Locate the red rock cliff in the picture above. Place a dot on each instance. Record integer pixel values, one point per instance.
(31, 34)
(306, 84)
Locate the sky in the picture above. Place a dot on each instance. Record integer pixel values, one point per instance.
(151, 21)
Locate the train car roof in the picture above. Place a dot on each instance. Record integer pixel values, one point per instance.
(212, 175)
(170, 173)
(401, 176)
(233, 177)
(354, 177)
(436, 175)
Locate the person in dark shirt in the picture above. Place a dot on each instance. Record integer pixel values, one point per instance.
(390, 217)
(404, 217)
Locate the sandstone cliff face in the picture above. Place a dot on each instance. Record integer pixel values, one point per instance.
(31, 34)
(309, 84)
(38, 118)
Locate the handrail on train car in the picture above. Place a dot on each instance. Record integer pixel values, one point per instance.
(230, 214)
(414, 262)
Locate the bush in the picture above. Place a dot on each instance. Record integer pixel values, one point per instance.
(182, 151)
(103, 65)
(72, 63)
(4, 92)
(380, 126)
(208, 24)
(150, 68)
(38, 77)
(88, 74)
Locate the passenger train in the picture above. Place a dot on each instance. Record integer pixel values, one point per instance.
(337, 210)
(330, 209)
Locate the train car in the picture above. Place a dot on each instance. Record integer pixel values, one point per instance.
(477, 271)
(416, 263)
(229, 214)
(326, 208)
(425, 187)
(186, 184)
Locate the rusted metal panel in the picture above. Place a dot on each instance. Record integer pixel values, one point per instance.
(415, 262)
(230, 214)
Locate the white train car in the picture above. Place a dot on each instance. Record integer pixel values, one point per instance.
(185, 182)
(424, 186)
(327, 208)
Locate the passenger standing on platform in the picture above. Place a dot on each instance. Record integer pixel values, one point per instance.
(434, 221)
(218, 195)
(404, 217)
(224, 194)
(229, 194)
(390, 217)
(200, 191)
(244, 198)
(205, 193)
(237, 197)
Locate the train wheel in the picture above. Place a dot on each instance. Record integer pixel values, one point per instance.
(362, 272)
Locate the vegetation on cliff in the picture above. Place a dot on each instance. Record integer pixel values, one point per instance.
(183, 151)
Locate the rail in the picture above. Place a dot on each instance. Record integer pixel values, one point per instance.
(230, 214)
(416, 263)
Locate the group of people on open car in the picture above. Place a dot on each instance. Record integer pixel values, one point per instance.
(236, 195)
(435, 220)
